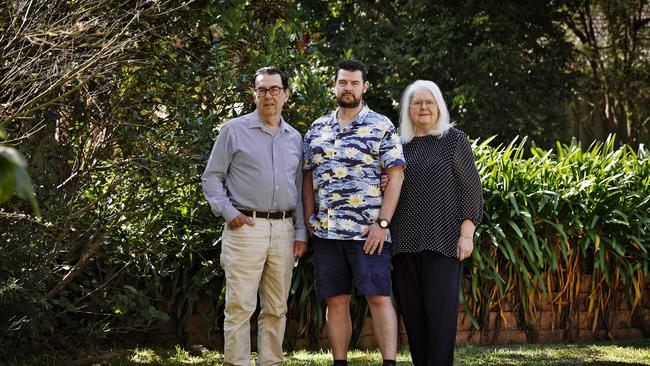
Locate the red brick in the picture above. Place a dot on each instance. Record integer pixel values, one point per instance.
(585, 283)
(576, 327)
(545, 320)
(583, 301)
(193, 323)
(551, 336)
(467, 287)
(585, 322)
(599, 335)
(506, 320)
(626, 333)
(620, 301)
(202, 306)
(621, 319)
(463, 322)
(545, 304)
(644, 315)
(585, 335)
(467, 337)
(325, 343)
(194, 329)
(571, 319)
(301, 343)
(462, 337)
(509, 321)
(512, 336)
(508, 302)
(402, 339)
(645, 299)
(368, 341)
(166, 327)
(492, 316)
(367, 327)
(555, 318)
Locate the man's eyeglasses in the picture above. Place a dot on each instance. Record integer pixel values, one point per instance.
(424, 104)
(274, 90)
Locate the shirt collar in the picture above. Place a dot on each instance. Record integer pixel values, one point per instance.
(256, 122)
(360, 117)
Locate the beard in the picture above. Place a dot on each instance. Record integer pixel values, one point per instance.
(348, 104)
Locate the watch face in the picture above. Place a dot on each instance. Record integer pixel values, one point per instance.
(383, 224)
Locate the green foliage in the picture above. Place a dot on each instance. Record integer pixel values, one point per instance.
(311, 95)
(14, 178)
(611, 39)
(554, 217)
(551, 218)
(503, 68)
(22, 318)
(126, 240)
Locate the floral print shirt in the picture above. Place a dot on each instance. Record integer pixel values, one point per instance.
(346, 168)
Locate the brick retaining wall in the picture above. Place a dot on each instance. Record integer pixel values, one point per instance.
(499, 328)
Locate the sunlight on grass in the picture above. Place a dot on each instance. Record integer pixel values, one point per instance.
(145, 356)
(605, 354)
(305, 357)
(634, 353)
(177, 356)
(629, 353)
(640, 354)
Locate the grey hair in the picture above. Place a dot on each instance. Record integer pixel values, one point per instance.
(406, 127)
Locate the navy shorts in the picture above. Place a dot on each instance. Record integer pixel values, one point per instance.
(339, 262)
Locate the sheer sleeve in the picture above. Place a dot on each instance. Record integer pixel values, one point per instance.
(470, 191)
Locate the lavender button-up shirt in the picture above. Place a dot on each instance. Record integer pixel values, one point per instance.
(253, 169)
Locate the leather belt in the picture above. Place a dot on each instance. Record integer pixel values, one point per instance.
(267, 215)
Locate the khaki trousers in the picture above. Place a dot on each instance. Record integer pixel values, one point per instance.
(257, 258)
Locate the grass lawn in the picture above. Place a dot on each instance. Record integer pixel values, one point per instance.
(636, 352)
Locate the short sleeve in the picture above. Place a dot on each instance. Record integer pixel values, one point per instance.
(390, 149)
(470, 194)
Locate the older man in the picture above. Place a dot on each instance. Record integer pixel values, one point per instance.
(254, 180)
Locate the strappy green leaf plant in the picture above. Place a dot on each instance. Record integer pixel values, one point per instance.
(553, 218)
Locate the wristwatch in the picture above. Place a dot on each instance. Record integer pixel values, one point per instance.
(383, 223)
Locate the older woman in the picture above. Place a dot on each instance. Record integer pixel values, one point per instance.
(439, 207)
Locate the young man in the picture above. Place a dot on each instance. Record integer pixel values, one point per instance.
(254, 180)
(345, 154)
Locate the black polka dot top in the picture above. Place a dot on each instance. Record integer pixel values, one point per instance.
(441, 189)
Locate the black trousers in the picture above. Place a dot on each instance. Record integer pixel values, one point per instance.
(426, 286)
